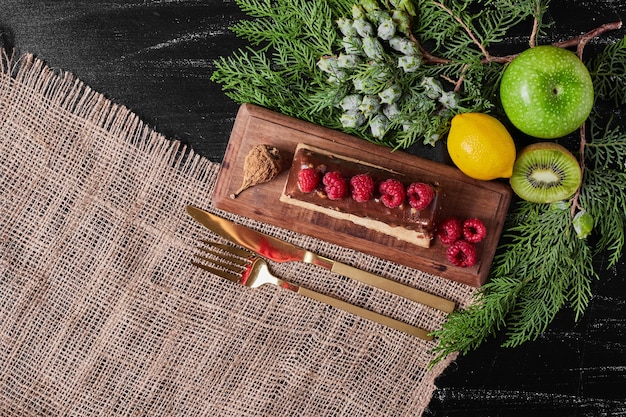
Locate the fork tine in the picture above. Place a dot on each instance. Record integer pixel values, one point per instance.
(224, 262)
(219, 272)
(228, 248)
(227, 261)
(221, 255)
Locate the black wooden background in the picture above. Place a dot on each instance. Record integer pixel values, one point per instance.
(156, 57)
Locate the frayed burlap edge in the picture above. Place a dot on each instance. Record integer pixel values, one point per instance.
(328, 362)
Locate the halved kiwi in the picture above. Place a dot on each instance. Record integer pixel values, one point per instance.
(545, 172)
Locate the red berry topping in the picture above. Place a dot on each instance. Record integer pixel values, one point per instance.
(450, 230)
(462, 253)
(392, 193)
(420, 195)
(362, 186)
(335, 185)
(308, 179)
(474, 230)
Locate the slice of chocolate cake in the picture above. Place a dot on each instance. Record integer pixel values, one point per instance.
(405, 208)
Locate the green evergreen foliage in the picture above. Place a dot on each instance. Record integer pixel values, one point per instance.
(288, 38)
(395, 72)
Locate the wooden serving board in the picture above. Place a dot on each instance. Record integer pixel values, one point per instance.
(464, 197)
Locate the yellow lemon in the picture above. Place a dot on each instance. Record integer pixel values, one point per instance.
(481, 147)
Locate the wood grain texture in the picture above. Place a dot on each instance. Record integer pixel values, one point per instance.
(156, 57)
(462, 197)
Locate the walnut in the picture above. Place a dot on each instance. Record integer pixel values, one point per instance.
(262, 164)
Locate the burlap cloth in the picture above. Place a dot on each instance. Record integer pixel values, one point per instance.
(101, 312)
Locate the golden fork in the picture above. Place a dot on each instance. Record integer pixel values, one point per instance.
(247, 269)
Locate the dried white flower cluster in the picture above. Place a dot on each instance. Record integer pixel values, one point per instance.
(376, 47)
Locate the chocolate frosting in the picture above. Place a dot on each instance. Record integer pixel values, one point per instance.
(404, 215)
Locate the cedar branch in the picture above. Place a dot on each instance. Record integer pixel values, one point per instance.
(467, 30)
(583, 144)
(578, 41)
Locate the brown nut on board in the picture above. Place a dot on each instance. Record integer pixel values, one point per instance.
(262, 164)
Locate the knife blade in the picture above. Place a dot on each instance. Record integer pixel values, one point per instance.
(281, 251)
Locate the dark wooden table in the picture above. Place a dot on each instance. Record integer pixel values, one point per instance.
(156, 57)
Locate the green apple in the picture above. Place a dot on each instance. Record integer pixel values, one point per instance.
(546, 92)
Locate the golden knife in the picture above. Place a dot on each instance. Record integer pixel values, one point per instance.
(280, 251)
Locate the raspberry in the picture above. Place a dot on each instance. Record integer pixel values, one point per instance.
(392, 193)
(474, 230)
(362, 186)
(420, 195)
(450, 230)
(462, 253)
(335, 185)
(308, 179)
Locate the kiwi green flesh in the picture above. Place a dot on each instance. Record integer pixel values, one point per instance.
(545, 173)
